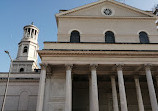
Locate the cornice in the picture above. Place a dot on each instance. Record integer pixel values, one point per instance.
(20, 80)
(68, 53)
(29, 41)
(102, 1)
(103, 17)
(21, 76)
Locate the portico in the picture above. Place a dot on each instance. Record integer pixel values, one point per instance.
(107, 81)
(94, 79)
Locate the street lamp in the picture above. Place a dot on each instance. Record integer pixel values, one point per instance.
(7, 84)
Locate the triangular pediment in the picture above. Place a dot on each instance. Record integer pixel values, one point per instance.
(97, 9)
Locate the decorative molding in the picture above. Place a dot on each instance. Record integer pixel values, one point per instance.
(58, 99)
(110, 8)
(49, 75)
(68, 66)
(147, 66)
(69, 32)
(95, 53)
(21, 76)
(113, 76)
(119, 66)
(43, 66)
(110, 17)
(93, 66)
(102, 1)
(136, 76)
(144, 31)
(49, 69)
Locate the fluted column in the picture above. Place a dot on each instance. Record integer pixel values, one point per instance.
(68, 96)
(151, 88)
(114, 94)
(94, 104)
(139, 94)
(122, 92)
(41, 88)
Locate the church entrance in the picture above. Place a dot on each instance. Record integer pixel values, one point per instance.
(104, 93)
(80, 93)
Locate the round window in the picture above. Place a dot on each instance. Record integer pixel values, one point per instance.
(107, 11)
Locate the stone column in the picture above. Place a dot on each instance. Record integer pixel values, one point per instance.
(41, 88)
(46, 93)
(94, 104)
(139, 94)
(123, 101)
(90, 93)
(31, 33)
(26, 33)
(151, 89)
(68, 96)
(114, 94)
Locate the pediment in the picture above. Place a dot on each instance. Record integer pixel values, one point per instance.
(101, 8)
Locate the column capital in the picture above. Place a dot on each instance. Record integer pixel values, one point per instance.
(119, 66)
(147, 66)
(93, 66)
(156, 76)
(136, 76)
(49, 76)
(68, 66)
(43, 66)
(113, 76)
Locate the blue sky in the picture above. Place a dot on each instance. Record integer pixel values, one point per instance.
(15, 14)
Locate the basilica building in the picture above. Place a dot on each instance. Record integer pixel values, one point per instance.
(105, 59)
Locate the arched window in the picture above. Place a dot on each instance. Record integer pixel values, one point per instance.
(143, 37)
(109, 37)
(25, 49)
(75, 37)
(21, 69)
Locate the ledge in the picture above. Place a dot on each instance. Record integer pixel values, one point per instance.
(21, 76)
(100, 46)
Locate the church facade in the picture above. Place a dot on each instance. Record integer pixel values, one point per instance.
(105, 59)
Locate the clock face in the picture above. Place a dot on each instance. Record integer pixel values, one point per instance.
(107, 11)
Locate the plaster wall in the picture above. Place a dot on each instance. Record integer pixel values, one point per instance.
(55, 93)
(93, 30)
(32, 51)
(117, 10)
(99, 46)
(27, 65)
(22, 95)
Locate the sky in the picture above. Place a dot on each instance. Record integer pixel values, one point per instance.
(15, 14)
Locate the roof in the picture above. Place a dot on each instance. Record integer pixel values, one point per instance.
(102, 1)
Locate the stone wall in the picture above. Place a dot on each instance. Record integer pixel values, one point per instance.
(22, 93)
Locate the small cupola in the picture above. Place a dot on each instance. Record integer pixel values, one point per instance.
(30, 31)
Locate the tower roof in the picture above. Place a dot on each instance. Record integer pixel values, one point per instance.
(31, 26)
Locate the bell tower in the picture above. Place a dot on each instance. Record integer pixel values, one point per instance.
(27, 56)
